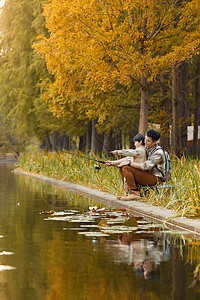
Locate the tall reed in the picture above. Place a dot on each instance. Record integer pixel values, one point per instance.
(71, 168)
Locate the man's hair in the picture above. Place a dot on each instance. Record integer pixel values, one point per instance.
(139, 137)
(154, 134)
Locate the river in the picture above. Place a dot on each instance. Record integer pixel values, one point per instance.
(44, 258)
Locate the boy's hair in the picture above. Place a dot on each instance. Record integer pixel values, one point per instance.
(154, 134)
(139, 137)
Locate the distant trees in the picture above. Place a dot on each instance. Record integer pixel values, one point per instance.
(112, 67)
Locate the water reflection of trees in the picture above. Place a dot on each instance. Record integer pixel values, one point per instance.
(56, 264)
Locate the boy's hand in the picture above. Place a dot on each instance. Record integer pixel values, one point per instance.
(115, 152)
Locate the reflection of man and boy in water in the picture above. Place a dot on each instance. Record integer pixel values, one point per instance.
(144, 250)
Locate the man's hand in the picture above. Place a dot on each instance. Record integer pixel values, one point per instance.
(124, 163)
(108, 163)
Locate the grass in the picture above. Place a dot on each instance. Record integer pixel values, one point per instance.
(75, 169)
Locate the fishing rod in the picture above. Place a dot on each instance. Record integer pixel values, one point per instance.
(95, 166)
(65, 151)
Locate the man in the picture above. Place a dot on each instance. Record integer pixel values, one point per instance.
(145, 173)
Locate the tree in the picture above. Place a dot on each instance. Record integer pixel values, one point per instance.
(104, 43)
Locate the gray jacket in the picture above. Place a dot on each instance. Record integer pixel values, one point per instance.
(156, 159)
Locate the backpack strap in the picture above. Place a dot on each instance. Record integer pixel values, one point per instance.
(152, 152)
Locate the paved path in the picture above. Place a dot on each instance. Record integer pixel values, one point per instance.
(150, 212)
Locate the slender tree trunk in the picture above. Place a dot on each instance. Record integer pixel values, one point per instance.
(48, 143)
(106, 143)
(55, 141)
(82, 143)
(116, 142)
(196, 110)
(89, 137)
(60, 142)
(179, 95)
(144, 108)
(66, 142)
(166, 108)
(97, 139)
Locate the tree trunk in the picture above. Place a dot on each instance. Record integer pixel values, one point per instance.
(196, 110)
(116, 142)
(179, 95)
(66, 142)
(106, 143)
(82, 143)
(48, 143)
(55, 141)
(89, 137)
(144, 107)
(166, 108)
(97, 139)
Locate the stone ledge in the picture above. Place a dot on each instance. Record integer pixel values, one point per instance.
(153, 213)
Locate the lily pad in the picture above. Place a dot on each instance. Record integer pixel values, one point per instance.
(58, 219)
(89, 225)
(62, 213)
(6, 268)
(94, 234)
(6, 253)
(131, 222)
(103, 222)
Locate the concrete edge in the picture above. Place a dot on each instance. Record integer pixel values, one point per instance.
(150, 212)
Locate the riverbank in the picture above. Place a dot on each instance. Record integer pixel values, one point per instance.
(150, 212)
(7, 158)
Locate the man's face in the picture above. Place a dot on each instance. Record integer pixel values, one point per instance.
(149, 143)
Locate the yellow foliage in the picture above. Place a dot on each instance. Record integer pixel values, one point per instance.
(101, 43)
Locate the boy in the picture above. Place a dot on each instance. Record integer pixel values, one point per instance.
(137, 155)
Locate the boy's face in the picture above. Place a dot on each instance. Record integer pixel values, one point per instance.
(137, 144)
(149, 143)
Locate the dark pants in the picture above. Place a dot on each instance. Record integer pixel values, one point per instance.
(135, 176)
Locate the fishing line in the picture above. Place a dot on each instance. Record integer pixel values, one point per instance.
(96, 167)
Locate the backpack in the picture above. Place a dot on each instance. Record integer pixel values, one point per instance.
(167, 175)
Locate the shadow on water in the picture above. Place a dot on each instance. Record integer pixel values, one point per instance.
(42, 259)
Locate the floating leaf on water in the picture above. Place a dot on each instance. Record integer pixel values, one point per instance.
(122, 228)
(142, 222)
(82, 220)
(46, 212)
(6, 253)
(78, 229)
(58, 219)
(89, 225)
(103, 222)
(115, 221)
(148, 226)
(131, 222)
(94, 234)
(62, 213)
(6, 268)
(112, 231)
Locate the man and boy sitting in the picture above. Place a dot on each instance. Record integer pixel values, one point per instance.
(143, 166)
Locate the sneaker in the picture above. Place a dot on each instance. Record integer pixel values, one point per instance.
(133, 196)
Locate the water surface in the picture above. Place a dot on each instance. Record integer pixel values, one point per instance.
(50, 260)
